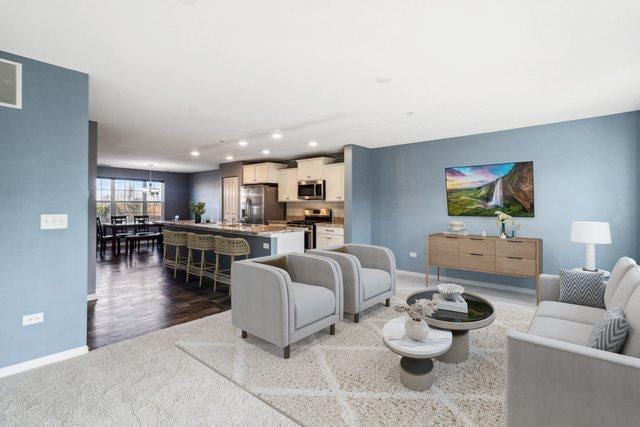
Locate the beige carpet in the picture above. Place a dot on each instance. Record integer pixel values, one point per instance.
(352, 379)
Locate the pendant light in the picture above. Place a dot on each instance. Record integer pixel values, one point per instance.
(149, 187)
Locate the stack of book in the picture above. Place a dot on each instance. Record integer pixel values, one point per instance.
(456, 228)
(458, 305)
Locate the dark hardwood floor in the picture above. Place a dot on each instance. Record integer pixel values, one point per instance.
(137, 296)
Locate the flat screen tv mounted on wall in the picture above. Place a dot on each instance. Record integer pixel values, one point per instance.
(484, 189)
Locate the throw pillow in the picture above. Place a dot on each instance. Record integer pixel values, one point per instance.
(611, 333)
(582, 288)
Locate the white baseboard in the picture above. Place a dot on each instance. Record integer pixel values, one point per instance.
(92, 297)
(42, 361)
(433, 278)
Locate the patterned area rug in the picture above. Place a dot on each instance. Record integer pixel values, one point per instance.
(353, 379)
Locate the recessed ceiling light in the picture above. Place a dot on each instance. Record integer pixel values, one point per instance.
(409, 113)
(265, 151)
(383, 79)
(229, 157)
(243, 143)
(195, 153)
(276, 135)
(313, 143)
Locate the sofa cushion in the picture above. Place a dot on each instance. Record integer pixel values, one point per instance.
(572, 312)
(582, 288)
(623, 265)
(632, 312)
(611, 332)
(311, 303)
(626, 287)
(374, 282)
(560, 329)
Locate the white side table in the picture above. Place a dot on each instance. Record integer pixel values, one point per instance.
(416, 366)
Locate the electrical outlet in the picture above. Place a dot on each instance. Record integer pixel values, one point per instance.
(265, 246)
(54, 221)
(32, 319)
(413, 254)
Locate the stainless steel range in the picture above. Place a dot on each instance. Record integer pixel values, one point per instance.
(311, 218)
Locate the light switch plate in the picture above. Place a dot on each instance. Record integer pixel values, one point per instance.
(54, 221)
(32, 319)
(413, 254)
(265, 246)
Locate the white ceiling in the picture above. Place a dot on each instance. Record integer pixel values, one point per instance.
(170, 76)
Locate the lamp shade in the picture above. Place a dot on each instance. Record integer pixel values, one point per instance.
(590, 232)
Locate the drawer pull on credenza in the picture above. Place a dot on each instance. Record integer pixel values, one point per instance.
(514, 257)
(475, 238)
(476, 254)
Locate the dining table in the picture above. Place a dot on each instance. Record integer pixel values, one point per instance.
(109, 229)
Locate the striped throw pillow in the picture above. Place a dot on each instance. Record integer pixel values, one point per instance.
(582, 288)
(611, 333)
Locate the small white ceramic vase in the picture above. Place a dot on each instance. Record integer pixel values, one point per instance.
(416, 328)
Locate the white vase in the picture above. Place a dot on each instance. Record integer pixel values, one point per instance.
(417, 329)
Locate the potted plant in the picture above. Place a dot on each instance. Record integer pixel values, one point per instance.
(198, 210)
(503, 220)
(102, 211)
(416, 325)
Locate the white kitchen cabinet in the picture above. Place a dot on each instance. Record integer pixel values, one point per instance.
(328, 236)
(288, 185)
(261, 173)
(312, 169)
(334, 176)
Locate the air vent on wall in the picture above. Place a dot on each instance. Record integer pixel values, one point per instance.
(10, 84)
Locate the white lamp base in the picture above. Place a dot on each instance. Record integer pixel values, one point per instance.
(589, 257)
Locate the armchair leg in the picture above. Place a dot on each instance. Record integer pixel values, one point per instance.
(244, 334)
(356, 318)
(387, 303)
(287, 351)
(332, 329)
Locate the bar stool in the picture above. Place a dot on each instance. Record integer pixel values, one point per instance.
(202, 243)
(231, 247)
(177, 239)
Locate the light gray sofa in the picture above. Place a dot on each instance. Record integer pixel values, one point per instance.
(553, 378)
(285, 298)
(368, 275)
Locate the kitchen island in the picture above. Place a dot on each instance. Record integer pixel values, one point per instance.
(263, 239)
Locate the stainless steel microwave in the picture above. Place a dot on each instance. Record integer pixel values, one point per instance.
(311, 190)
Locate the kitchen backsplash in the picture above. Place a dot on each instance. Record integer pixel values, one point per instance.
(297, 209)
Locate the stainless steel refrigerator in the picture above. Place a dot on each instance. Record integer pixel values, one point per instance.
(259, 204)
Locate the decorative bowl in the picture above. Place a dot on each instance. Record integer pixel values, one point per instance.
(450, 290)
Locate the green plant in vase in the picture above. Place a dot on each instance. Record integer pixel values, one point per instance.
(197, 209)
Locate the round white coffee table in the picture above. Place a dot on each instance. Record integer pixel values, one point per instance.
(416, 366)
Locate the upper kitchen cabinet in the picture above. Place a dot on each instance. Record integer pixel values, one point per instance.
(288, 185)
(261, 173)
(312, 169)
(334, 176)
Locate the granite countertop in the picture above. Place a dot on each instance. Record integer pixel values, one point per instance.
(245, 229)
(330, 224)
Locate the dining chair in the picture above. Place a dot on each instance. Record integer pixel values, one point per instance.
(119, 232)
(101, 238)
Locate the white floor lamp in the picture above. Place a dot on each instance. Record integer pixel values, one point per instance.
(590, 233)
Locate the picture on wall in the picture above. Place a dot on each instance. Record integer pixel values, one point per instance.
(482, 190)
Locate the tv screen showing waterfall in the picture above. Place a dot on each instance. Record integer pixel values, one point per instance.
(483, 190)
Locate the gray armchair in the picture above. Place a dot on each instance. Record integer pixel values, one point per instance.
(284, 298)
(553, 378)
(368, 275)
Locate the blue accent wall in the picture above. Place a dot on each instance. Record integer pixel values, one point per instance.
(358, 194)
(583, 170)
(43, 169)
(206, 187)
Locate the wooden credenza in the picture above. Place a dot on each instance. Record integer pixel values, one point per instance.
(521, 257)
